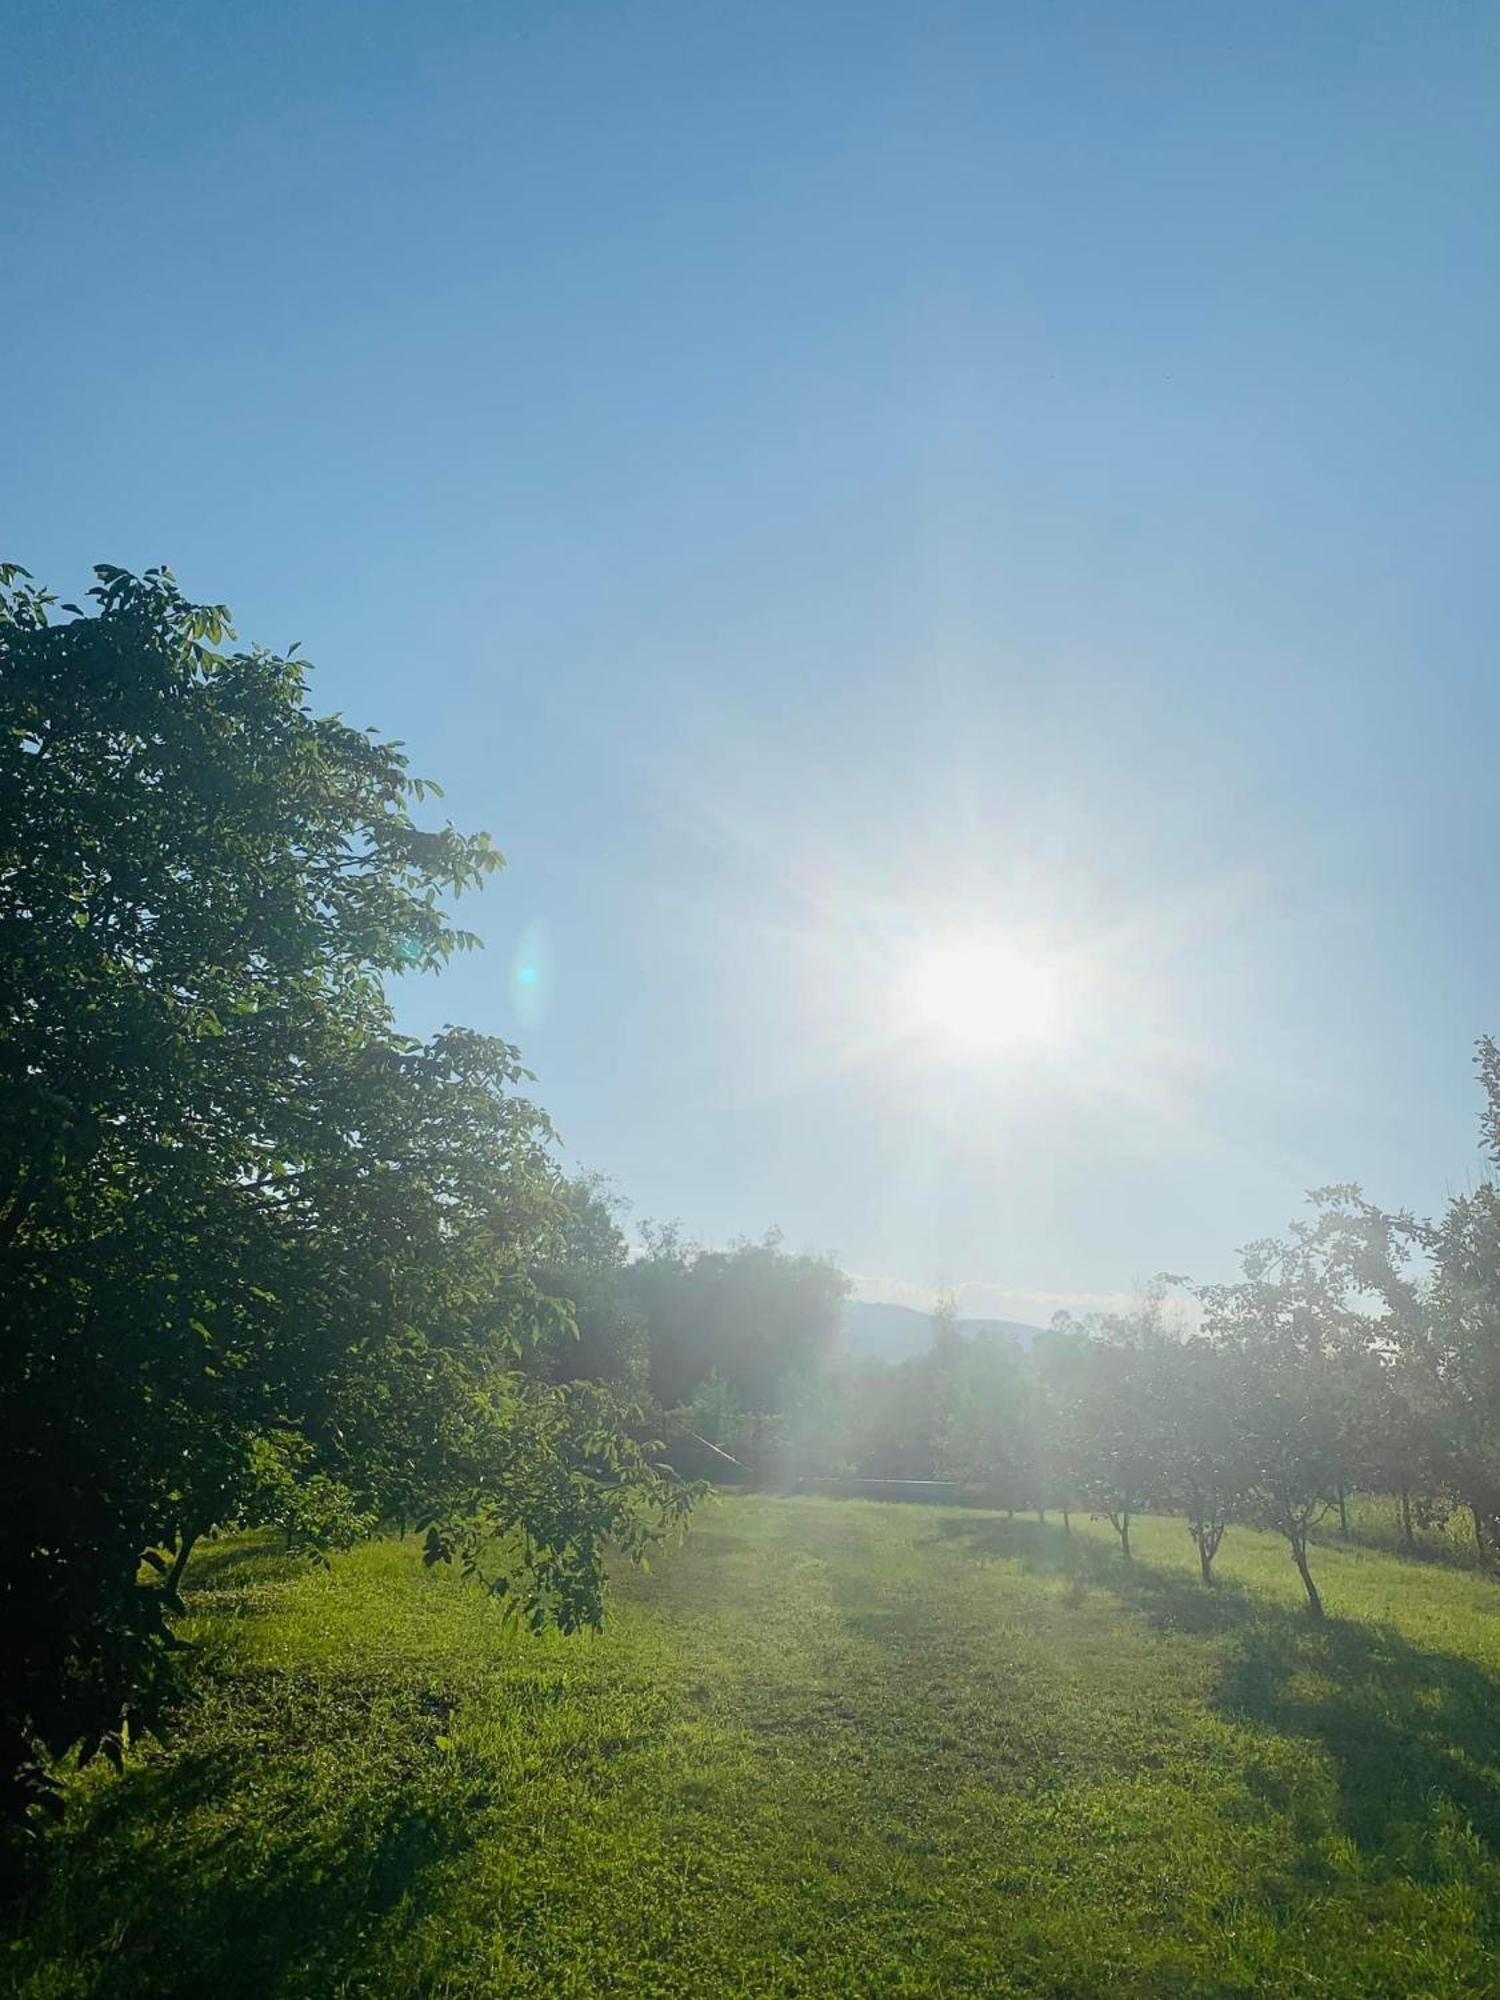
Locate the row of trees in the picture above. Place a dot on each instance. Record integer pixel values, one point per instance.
(1360, 1353)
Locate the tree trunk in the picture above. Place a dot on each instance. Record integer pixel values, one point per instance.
(1205, 1560)
(1343, 1513)
(1067, 1522)
(1407, 1536)
(1299, 1556)
(1125, 1535)
(179, 1563)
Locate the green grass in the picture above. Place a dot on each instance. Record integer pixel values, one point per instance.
(828, 1747)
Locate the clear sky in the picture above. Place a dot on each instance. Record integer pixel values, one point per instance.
(814, 480)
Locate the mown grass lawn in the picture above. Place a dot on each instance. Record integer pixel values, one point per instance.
(827, 1747)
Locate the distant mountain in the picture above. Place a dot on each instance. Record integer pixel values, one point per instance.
(895, 1333)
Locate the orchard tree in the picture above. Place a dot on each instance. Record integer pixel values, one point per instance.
(1121, 1469)
(1294, 1325)
(1203, 1464)
(260, 1254)
(1119, 1413)
(1058, 1362)
(1290, 1426)
(1455, 1342)
(1464, 1356)
(1408, 1444)
(1385, 1346)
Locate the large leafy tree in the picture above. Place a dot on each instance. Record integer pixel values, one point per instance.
(255, 1245)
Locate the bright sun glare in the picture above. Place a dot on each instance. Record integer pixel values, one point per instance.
(980, 996)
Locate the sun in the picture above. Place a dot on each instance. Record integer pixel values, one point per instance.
(980, 994)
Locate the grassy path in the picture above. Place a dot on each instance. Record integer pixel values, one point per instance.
(828, 1748)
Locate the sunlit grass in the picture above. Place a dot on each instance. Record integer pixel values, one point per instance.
(828, 1747)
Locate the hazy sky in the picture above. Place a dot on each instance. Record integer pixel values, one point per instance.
(812, 478)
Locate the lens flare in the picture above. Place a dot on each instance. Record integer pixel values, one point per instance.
(532, 976)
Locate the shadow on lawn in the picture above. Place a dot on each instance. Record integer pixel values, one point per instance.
(243, 1559)
(1414, 1736)
(277, 1847)
(165, 1897)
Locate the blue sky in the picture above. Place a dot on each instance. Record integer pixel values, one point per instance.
(806, 477)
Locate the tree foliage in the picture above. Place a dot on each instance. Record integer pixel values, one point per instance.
(756, 1315)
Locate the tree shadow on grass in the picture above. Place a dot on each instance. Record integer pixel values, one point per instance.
(282, 1845)
(240, 1559)
(1413, 1737)
(1433, 1548)
(1172, 1600)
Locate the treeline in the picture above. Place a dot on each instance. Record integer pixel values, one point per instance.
(670, 1321)
(1359, 1354)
